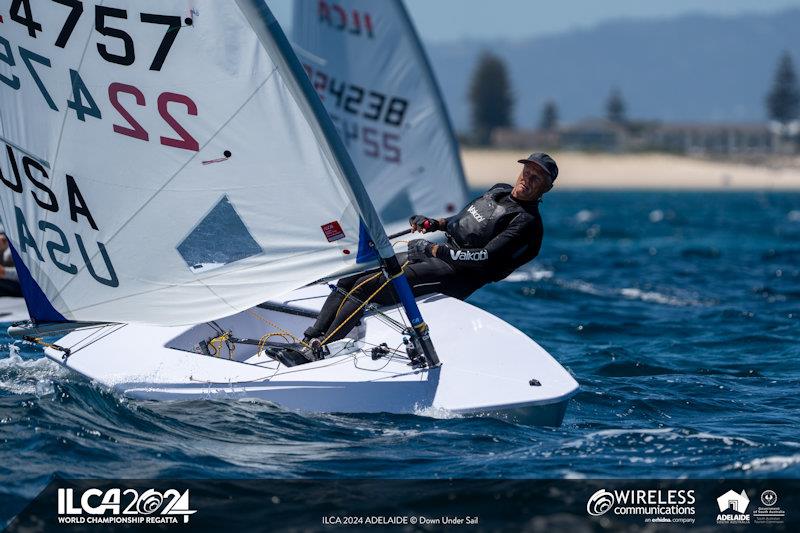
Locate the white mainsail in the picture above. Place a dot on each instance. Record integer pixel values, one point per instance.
(167, 161)
(368, 65)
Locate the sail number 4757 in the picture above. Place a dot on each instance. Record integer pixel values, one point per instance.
(82, 102)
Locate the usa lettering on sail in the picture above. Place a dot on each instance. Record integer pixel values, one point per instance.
(56, 244)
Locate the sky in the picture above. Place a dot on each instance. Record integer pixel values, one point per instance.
(451, 20)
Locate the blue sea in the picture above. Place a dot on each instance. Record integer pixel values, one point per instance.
(678, 313)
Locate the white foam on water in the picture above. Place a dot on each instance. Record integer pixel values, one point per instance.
(645, 434)
(656, 215)
(726, 440)
(583, 286)
(436, 412)
(28, 376)
(632, 293)
(584, 215)
(530, 274)
(656, 297)
(794, 215)
(634, 432)
(403, 433)
(773, 463)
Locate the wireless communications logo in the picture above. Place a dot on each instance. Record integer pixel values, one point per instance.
(600, 502)
(655, 505)
(123, 506)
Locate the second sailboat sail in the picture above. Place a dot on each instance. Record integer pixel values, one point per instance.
(368, 66)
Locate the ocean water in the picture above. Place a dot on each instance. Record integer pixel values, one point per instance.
(678, 313)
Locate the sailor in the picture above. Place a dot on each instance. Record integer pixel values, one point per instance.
(489, 239)
(9, 281)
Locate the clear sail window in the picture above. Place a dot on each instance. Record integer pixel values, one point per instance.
(218, 239)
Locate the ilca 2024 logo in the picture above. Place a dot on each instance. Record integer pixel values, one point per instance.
(123, 506)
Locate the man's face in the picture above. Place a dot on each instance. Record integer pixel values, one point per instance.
(532, 183)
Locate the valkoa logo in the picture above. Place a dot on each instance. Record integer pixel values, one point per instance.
(475, 214)
(600, 502)
(463, 255)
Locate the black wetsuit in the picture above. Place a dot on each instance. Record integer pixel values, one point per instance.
(489, 239)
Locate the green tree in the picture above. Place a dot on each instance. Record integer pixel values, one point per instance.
(615, 107)
(783, 100)
(549, 120)
(491, 97)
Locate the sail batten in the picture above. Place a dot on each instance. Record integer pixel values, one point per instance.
(197, 173)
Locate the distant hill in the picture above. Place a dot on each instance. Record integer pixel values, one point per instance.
(689, 68)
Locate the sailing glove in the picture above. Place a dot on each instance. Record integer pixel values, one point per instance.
(419, 250)
(423, 223)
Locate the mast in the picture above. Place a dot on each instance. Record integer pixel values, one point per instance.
(271, 36)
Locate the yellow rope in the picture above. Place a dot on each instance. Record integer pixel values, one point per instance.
(263, 341)
(354, 289)
(280, 331)
(39, 341)
(365, 302)
(284, 333)
(217, 342)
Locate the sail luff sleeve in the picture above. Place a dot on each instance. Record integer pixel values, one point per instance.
(271, 36)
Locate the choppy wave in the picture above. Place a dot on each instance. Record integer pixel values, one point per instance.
(768, 465)
(27, 376)
(630, 293)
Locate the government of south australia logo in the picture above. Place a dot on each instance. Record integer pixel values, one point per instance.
(600, 502)
(733, 508)
(769, 498)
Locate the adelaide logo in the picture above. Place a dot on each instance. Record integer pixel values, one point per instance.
(733, 508)
(600, 502)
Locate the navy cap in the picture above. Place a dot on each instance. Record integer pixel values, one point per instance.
(544, 161)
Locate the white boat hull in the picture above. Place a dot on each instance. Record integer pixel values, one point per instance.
(488, 367)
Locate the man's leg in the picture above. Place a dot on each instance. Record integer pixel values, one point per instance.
(425, 277)
(332, 303)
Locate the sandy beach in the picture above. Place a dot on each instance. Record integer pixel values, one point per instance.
(580, 170)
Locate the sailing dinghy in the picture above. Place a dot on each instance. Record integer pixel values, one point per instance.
(170, 169)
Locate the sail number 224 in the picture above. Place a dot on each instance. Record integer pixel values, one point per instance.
(82, 101)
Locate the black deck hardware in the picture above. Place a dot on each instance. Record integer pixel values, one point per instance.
(380, 351)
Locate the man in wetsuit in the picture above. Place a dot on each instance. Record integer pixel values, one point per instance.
(489, 239)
